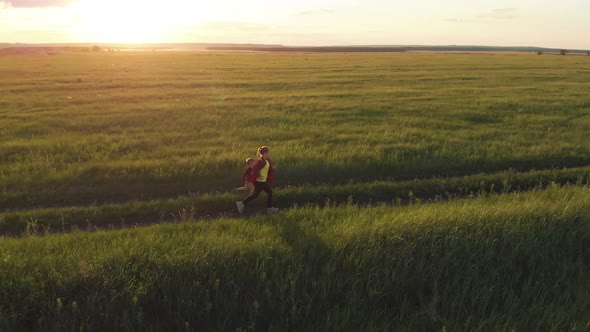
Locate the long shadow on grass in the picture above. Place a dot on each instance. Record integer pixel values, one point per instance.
(325, 289)
(309, 256)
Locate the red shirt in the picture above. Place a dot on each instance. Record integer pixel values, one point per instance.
(249, 176)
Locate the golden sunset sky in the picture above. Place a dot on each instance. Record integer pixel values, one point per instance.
(559, 24)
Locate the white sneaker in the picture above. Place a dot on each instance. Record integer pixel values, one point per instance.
(272, 210)
(240, 206)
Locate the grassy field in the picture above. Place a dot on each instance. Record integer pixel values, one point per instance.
(103, 128)
(516, 262)
(423, 192)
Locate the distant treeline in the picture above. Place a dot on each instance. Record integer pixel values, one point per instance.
(453, 48)
(62, 48)
(47, 50)
(327, 49)
(450, 48)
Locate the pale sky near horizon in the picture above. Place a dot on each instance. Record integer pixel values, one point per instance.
(559, 24)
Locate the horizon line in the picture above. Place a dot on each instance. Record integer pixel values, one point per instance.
(294, 46)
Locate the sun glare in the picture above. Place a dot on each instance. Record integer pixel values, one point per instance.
(132, 21)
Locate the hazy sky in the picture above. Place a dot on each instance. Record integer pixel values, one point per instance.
(562, 24)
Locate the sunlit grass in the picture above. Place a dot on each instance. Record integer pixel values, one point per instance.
(426, 192)
(514, 261)
(208, 206)
(123, 124)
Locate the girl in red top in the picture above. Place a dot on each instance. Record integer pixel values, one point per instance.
(248, 177)
(262, 172)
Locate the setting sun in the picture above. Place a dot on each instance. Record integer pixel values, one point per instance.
(133, 21)
(122, 22)
(301, 22)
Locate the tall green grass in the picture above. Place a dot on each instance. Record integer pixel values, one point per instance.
(103, 128)
(208, 206)
(109, 140)
(507, 262)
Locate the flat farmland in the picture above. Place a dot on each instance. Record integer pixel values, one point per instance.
(448, 191)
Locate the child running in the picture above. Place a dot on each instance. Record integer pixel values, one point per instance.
(262, 172)
(248, 176)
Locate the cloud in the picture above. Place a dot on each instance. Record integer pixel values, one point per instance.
(457, 20)
(36, 3)
(323, 11)
(499, 14)
(492, 15)
(230, 25)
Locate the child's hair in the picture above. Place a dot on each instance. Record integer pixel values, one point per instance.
(249, 160)
(262, 150)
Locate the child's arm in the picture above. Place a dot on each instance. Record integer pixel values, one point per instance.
(273, 167)
(246, 174)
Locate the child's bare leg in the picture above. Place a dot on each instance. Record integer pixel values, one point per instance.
(250, 186)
